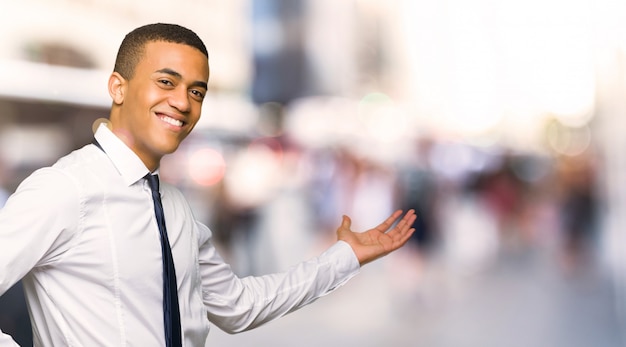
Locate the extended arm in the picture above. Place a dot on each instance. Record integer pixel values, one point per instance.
(236, 305)
(239, 304)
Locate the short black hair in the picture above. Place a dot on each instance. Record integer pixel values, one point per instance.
(133, 45)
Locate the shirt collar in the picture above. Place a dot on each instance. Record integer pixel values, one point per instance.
(127, 163)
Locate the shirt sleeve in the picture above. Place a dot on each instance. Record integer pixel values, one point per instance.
(7, 341)
(237, 304)
(37, 223)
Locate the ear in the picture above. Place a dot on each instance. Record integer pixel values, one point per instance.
(117, 88)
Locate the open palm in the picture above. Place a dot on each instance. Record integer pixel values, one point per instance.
(379, 241)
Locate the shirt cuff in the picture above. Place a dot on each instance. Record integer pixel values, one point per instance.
(344, 263)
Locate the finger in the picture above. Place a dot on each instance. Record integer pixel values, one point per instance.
(408, 218)
(403, 231)
(384, 226)
(346, 222)
(404, 225)
(405, 237)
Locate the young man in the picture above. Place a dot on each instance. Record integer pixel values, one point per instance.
(88, 238)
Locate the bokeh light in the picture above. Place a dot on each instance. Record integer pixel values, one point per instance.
(206, 167)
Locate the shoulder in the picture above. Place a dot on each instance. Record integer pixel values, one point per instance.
(63, 182)
(172, 192)
(175, 200)
(48, 185)
(80, 159)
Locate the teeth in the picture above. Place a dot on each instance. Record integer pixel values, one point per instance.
(172, 121)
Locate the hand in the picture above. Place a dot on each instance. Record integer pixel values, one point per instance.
(380, 241)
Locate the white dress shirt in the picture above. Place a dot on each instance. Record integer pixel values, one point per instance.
(82, 234)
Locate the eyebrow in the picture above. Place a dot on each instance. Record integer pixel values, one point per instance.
(179, 76)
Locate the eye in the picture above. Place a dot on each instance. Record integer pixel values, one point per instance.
(197, 94)
(166, 82)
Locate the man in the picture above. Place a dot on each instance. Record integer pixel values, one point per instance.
(88, 238)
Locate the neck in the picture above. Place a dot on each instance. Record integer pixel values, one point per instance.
(151, 162)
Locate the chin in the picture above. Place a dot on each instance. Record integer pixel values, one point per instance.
(170, 149)
(167, 148)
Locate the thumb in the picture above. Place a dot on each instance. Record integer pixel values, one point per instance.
(344, 228)
(346, 222)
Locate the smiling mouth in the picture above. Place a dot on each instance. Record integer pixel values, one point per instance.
(171, 121)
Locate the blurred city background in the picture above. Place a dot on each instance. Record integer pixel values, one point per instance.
(500, 122)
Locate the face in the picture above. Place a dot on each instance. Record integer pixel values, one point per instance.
(160, 104)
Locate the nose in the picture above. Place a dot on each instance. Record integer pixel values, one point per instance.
(179, 99)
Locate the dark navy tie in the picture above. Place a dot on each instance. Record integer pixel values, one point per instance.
(171, 312)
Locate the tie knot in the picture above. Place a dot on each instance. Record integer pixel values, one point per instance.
(153, 182)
